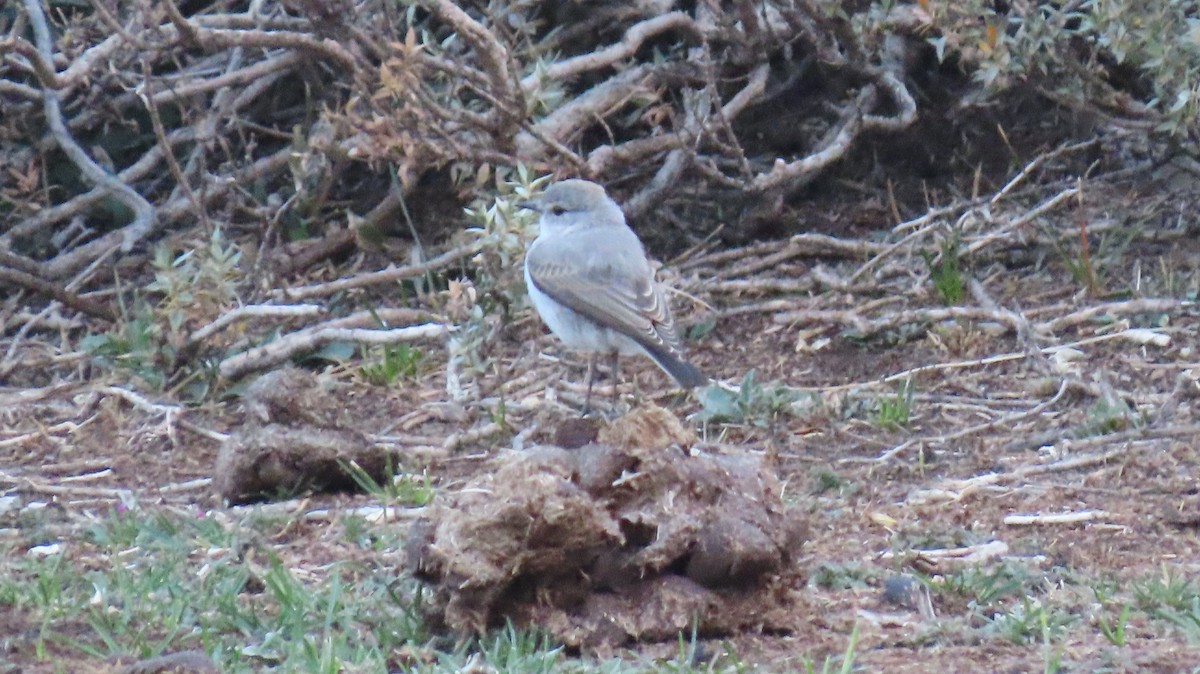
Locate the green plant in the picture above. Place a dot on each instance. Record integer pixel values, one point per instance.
(1186, 619)
(1166, 591)
(842, 665)
(984, 587)
(416, 490)
(1110, 416)
(1109, 54)
(700, 330)
(499, 413)
(751, 402)
(1114, 630)
(1051, 632)
(396, 362)
(687, 655)
(189, 289)
(1171, 598)
(827, 480)
(195, 285)
(135, 346)
(895, 411)
(945, 273)
(403, 489)
(502, 229)
(1087, 264)
(850, 575)
(138, 584)
(1030, 619)
(514, 650)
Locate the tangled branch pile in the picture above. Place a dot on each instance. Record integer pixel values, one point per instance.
(125, 123)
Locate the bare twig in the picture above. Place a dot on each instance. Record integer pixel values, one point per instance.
(865, 326)
(634, 36)
(76, 205)
(582, 111)
(160, 133)
(856, 320)
(214, 189)
(800, 245)
(1057, 518)
(491, 52)
(788, 176)
(980, 428)
(253, 310)
(389, 275)
(960, 364)
(144, 218)
(308, 340)
(68, 298)
(956, 489)
(172, 414)
(1110, 309)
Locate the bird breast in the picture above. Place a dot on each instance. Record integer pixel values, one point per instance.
(574, 329)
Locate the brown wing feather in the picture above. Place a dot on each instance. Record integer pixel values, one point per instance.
(619, 293)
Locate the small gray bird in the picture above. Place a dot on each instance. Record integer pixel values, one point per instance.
(590, 280)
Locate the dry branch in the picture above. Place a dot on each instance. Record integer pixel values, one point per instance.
(257, 310)
(389, 275)
(1057, 518)
(790, 175)
(494, 55)
(68, 298)
(1007, 420)
(955, 489)
(144, 218)
(865, 325)
(608, 56)
(1110, 310)
(305, 341)
(581, 112)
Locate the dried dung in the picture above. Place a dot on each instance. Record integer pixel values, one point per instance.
(293, 440)
(638, 536)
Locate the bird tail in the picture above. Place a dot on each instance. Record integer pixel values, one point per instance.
(683, 372)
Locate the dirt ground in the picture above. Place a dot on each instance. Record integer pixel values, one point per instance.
(1095, 443)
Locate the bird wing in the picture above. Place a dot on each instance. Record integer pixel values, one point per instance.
(618, 292)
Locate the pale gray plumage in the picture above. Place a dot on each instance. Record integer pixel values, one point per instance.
(590, 280)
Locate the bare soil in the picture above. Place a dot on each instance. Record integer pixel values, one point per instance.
(1106, 433)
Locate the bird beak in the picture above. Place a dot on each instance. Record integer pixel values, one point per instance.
(530, 205)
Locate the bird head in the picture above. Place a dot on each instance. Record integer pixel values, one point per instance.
(571, 203)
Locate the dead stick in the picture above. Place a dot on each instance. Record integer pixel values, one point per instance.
(68, 298)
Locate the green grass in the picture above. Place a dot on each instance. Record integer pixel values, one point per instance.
(826, 480)
(894, 412)
(1114, 629)
(141, 586)
(261, 591)
(945, 272)
(398, 362)
(843, 576)
(983, 587)
(842, 665)
(405, 489)
(1031, 620)
(138, 584)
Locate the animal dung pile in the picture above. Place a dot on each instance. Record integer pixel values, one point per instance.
(639, 535)
(293, 440)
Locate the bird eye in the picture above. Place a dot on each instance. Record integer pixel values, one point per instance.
(558, 210)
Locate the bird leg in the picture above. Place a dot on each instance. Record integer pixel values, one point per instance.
(591, 379)
(616, 377)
